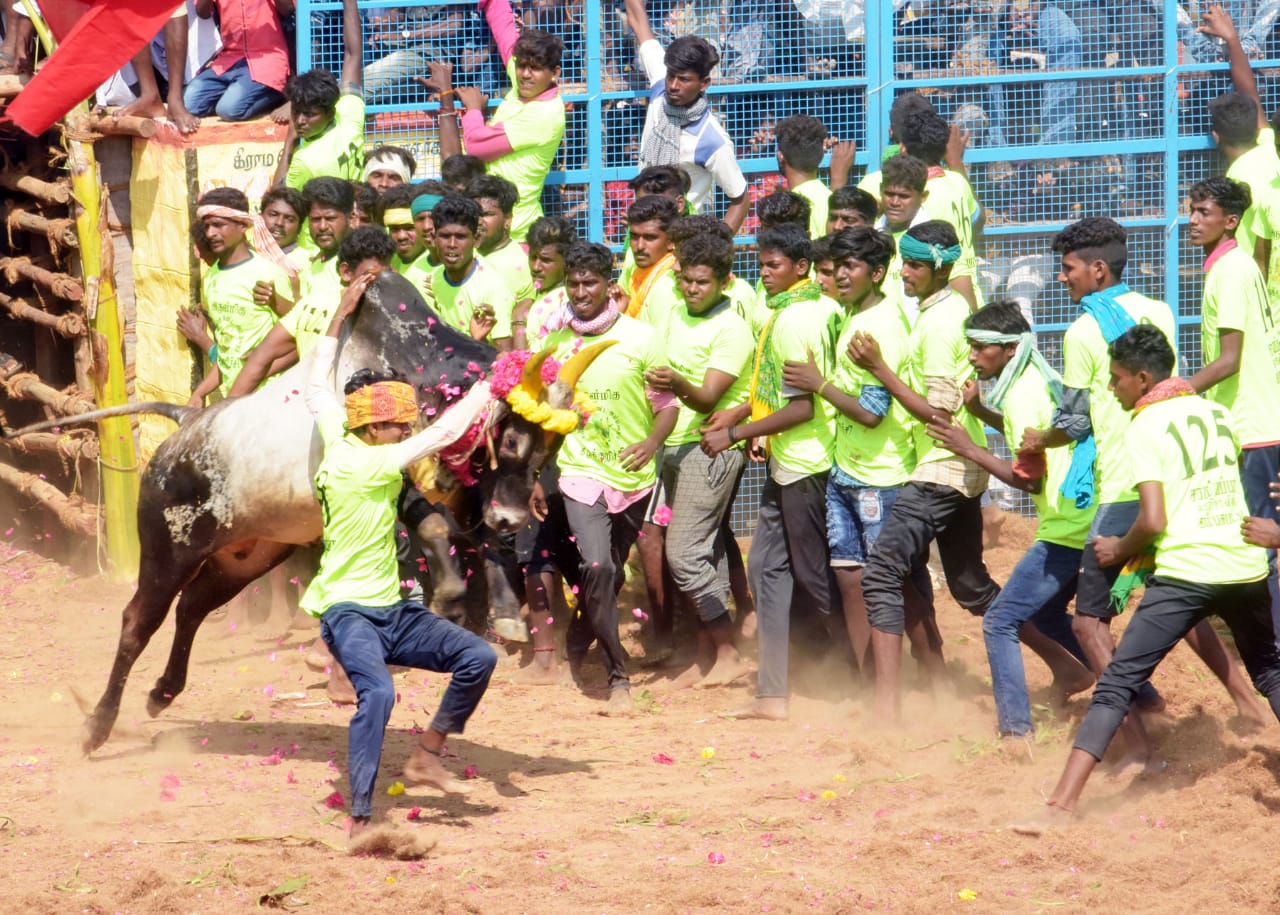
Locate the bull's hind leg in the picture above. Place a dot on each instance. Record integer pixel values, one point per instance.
(223, 576)
(159, 579)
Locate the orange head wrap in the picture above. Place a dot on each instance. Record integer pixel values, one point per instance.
(381, 402)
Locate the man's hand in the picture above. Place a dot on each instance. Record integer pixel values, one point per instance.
(723, 419)
(972, 395)
(264, 293)
(482, 322)
(193, 326)
(1216, 22)
(472, 98)
(1033, 440)
(842, 153)
(1261, 532)
(865, 352)
(957, 143)
(950, 435)
(196, 402)
(439, 76)
(715, 441)
(636, 457)
(538, 502)
(664, 378)
(803, 376)
(1105, 548)
(352, 295)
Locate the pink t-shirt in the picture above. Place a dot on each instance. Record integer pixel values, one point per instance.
(251, 31)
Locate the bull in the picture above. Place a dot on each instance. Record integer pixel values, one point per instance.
(229, 495)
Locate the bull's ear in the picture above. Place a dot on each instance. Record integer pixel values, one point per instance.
(573, 367)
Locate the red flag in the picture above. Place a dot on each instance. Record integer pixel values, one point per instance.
(103, 38)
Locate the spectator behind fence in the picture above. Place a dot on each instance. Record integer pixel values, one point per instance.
(248, 76)
(679, 128)
(801, 142)
(522, 140)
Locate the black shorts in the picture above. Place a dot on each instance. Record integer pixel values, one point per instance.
(1093, 593)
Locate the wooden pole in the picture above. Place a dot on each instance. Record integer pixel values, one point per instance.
(119, 463)
(83, 446)
(28, 386)
(48, 191)
(129, 126)
(61, 285)
(67, 325)
(58, 231)
(70, 511)
(11, 84)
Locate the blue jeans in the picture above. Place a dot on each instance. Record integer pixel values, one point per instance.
(1258, 468)
(1038, 590)
(365, 640)
(233, 96)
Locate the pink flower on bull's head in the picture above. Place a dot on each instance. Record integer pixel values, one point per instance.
(550, 369)
(507, 371)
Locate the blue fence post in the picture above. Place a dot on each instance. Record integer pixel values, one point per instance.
(879, 51)
(1172, 205)
(595, 126)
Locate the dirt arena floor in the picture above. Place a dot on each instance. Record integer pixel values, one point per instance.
(234, 797)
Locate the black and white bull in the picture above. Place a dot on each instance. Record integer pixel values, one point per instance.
(229, 494)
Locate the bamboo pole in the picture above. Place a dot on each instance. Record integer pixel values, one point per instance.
(60, 284)
(11, 84)
(47, 191)
(119, 463)
(128, 126)
(59, 231)
(28, 386)
(67, 325)
(73, 513)
(67, 446)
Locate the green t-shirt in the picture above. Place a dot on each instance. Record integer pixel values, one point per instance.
(419, 273)
(939, 349)
(743, 296)
(885, 455)
(483, 286)
(797, 330)
(622, 414)
(1029, 405)
(719, 340)
(336, 153)
(818, 194)
(511, 261)
(534, 130)
(1235, 298)
(239, 323)
(1259, 168)
(662, 303)
(1186, 445)
(357, 486)
(545, 308)
(311, 317)
(1086, 365)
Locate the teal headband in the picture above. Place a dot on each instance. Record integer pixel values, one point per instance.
(424, 203)
(913, 249)
(1026, 355)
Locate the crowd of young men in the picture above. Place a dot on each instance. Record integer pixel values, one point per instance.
(853, 369)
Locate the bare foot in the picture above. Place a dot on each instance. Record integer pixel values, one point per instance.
(425, 768)
(318, 656)
(339, 688)
(750, 623)
(358, 825)
(1017, 748)
(1246, 725)
(1063, 689)
(725, 671)
(691, 676)
(536, 673)
(1137, 765)
(620, 705)
(769, 709)
(281, 115)
(511, 630)
(1046, 819)
(144, 108)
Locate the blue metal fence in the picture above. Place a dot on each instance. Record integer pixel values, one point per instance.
(1074, 108)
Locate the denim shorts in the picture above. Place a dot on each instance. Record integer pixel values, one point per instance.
(856, 513)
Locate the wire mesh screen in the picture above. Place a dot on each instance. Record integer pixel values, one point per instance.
(1071, 108)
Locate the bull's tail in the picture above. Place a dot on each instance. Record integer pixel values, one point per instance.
(173, 411)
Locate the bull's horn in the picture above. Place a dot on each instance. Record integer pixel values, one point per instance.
(531, 377)
(573, 368)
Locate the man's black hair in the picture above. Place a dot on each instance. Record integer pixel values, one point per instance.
(707, 251)
(1003, 316)
(1234, 118)
(789, 240)
(459, 170)
(551, 231)
(456, 210)
(691, 54)
(224, 197)
(863, 243)
(821, 249)
(903, 170)
(665, 180)
(929, 134)
(854, 198)
(1144, 348)
(538, 49)
(698, 224)
(935, 232)
(398, 151)
(397, 197)
(330, 192)
(1234, 197)
(663, 209)
(364, 243)
(315, 90)
(801, 140)
(903, 106)
(494, 188)
(783, 208)
(590, 257)
(1095, 238)
(365, 196)
(362, 378)
(293, 198)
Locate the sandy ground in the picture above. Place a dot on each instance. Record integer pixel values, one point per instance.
(220, 803)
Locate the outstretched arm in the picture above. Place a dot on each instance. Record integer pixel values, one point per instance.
(638, 19)
(352, 49)
(1217, 22)
(502, 23)
(257, 365)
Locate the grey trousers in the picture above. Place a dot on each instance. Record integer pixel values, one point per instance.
(698, 490)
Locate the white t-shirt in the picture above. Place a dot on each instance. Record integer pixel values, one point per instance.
(706, 152)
